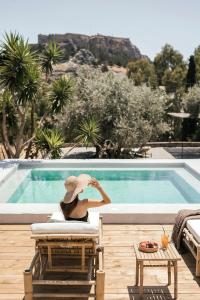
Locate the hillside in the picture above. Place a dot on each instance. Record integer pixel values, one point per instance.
(106, 49)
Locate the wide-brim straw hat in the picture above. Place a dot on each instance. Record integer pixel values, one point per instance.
(75, 185)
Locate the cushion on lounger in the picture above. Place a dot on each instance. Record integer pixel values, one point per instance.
(57, 217)
(194, 228)
(72, 227)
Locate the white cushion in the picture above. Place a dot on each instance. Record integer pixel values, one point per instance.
(93, 218)
(57, 217)
(72, 227)
(194, 228)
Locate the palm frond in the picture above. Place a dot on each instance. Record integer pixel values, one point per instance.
(51, 55)
(49, 141)
(88, 132)
(62, 92)
(16, 61)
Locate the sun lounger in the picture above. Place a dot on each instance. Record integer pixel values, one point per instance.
(192, 240)
(68, 255)
(143, 151)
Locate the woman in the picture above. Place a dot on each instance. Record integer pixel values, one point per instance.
(72, 207)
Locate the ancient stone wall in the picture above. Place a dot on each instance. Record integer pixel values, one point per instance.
(113, 50)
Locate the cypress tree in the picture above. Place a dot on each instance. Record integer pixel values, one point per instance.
(191, 74)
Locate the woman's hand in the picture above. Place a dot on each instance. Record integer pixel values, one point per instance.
(95, 203)
(94, 183)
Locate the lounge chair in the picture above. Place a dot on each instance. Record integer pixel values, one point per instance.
(68, 255)
(143, 151)
(191, 238)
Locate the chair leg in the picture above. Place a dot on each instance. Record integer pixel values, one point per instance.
(28, 287)
(175, 280)
(137, 273)
(169, 272)
(141, 288)
(198, 262)
(100, 284)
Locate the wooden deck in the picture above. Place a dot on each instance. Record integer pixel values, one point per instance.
(16, 251)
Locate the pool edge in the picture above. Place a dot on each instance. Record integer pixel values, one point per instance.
(152, 214)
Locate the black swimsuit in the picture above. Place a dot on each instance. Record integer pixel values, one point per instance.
(83, 219)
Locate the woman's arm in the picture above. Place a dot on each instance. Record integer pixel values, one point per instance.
(95, 203)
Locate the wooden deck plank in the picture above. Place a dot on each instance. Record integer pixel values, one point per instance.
(137, 227)
(149, 297)
(16, 250)
(12, 296)
(13, 227)
(12, 288)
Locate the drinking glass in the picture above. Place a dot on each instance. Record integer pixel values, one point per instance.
(165, 241)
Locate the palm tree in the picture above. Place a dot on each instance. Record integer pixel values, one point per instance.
(19, 73)
(51, 55)
(49, 142)
(88, 133)
(6, 104)
(16, 60)
(31, 101)
(62, 92)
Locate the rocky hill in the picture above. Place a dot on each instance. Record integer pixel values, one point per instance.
(84, 57)
(106, 49)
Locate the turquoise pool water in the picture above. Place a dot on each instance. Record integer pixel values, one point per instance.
(123, 186)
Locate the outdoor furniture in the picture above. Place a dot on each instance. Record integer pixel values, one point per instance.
(142, 151)
(191, 238)
(169, 256)
(68, 258)
(145, 150)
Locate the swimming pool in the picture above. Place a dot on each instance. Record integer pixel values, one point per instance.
(124, 186)
(142, 191)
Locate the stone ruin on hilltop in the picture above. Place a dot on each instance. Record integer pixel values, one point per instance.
(106, 49)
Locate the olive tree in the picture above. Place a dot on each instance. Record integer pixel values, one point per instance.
(142, 71)
(191, 100)
(128, 115)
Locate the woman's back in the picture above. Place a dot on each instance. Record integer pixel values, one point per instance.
(74, 210)
(72, 207)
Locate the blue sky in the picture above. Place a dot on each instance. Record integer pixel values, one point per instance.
(148, 23)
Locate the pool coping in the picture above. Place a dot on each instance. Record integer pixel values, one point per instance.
(113, 213)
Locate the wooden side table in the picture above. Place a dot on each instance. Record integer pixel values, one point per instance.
(170, 256)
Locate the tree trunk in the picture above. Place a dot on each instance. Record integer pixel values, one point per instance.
(118, 152)
(19, 137)
(32, 130)
(7, 145)
(4, 151)
(98, 151)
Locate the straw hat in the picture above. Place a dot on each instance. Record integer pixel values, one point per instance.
(75, 185)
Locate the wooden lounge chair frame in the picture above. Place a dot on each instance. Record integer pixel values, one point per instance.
(84, 247)
(142, 151)
(194, 248)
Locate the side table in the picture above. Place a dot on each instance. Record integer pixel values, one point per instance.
(170, 256)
